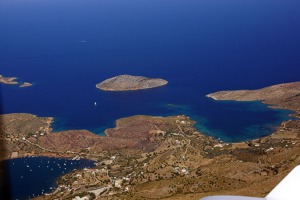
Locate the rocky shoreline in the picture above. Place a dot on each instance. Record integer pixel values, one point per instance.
(128, 82)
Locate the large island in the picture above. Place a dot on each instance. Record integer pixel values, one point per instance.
(148, 157)
(128, 82)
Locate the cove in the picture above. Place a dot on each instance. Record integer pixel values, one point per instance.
(30, 177)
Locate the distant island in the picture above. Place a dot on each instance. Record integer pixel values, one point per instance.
(26, 84)
(128, 82)
(12, 81)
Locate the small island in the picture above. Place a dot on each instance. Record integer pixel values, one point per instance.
(12, 81)
(8, 80)
(128, 82)
(26, 84)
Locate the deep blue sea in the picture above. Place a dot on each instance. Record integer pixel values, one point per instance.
(65, 47)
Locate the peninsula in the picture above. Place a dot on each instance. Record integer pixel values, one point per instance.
(150, 157)
(128, 82)
(284, 96)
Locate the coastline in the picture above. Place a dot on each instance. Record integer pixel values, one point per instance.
(143, 151)
(214, 149)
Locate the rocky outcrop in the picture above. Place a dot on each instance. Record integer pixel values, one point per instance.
(12, 81)
(8, 80)
(128, 82)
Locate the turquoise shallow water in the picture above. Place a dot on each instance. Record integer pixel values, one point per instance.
(252, 119)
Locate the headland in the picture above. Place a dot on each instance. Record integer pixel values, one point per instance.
(284, 96)
(128, 82)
